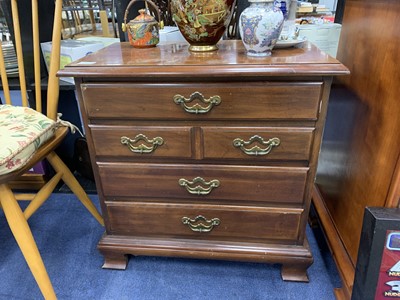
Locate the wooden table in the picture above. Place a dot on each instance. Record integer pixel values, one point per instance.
(205, 155)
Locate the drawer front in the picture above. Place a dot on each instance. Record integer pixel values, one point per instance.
(220, 222)
(129, 141)
(257, 143)
(179, 181)
(237, 101)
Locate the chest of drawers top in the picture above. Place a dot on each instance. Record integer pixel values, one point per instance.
(175, 61)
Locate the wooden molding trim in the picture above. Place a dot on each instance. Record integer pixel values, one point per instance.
(342, 259)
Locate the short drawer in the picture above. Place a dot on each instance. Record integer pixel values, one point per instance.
(180, 181)
(257, 143)
(130, 141)
(205, 101)
(203, 221)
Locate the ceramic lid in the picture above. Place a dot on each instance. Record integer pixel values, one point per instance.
(143, 18)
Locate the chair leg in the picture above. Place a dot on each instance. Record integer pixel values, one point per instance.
(42, 195)
(23, 235)
(70, 180)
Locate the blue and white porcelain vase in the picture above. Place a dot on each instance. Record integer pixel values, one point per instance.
(260, 25)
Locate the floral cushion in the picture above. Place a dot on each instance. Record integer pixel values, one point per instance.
(22, 131)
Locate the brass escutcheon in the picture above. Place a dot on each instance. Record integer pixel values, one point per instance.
(256, 150)
(197, 225)
(199, 186)
(197, 108)
(142, 148)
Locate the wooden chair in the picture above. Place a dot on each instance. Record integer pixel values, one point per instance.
(81, 18)
(21, 160)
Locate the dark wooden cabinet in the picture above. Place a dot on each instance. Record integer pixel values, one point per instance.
(359, 164)
(205, 155)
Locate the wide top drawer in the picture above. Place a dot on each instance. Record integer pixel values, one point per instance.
(203, 101)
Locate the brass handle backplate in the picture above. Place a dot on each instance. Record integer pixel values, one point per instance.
(149, 146)
(199, 186)
(197, 225)
(256, 150)
(197, 108)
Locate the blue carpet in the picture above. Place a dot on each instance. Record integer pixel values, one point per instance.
(67, 237)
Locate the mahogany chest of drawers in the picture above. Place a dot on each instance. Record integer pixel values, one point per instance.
(205, 155)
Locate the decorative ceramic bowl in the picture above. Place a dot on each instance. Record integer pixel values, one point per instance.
(202, 22)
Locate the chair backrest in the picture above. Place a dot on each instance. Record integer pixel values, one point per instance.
(53, 81)
(81, 17)
(78, 17)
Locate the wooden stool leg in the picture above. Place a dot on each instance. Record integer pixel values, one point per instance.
(70, 180)
(23, 235)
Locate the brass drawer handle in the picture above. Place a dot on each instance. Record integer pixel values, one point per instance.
(197, 108)
(256, 150)
(201, 227)
(199, 186)
(142, 148)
